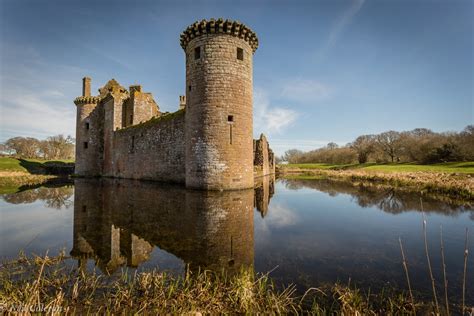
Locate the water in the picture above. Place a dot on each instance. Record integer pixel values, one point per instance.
(307, 232)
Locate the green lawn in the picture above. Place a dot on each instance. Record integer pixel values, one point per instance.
(458, 167)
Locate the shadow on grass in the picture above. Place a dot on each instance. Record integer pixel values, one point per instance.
(48, 167)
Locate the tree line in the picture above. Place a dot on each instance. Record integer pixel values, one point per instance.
(420, 145)
(53, 147)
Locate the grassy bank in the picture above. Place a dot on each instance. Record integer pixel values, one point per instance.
(49, 282)
(448, 167)
(18, 173)
(449, 183)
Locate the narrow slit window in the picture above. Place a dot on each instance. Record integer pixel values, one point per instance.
(86, 145)
(189, 88)
(197, 53)
(84, 208)
(230, 134)
(87, 126)
(131, 118)
(240, 53)
(133, 143)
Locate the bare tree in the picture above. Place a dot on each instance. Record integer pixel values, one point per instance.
(24, 147)
(58, 147)
(292, 155)
(389, 143)
(364, 146)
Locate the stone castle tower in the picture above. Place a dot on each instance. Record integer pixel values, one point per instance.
(207, 144)
(219, 122)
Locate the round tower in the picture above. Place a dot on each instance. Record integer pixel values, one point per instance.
(89, 133)
(219, 122)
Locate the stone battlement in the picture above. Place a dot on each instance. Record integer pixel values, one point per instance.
(86, 100)
(220, 26)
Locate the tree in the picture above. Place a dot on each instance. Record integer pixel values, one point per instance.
(24, 147)
(364, 146)
(389, 143)
(57, 147)
(292, 155)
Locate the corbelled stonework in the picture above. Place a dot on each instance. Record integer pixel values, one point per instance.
(207, 144)
(219, 26)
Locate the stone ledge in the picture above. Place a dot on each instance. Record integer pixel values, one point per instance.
(220, 26)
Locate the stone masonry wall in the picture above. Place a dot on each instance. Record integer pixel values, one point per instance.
(219, 113)
(89, 137)
(264, 159)
(153, 150)
(139, 108)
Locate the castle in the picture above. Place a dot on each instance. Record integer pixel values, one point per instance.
(207, 144)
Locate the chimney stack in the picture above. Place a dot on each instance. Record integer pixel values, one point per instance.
(182, 102)
(86, 87)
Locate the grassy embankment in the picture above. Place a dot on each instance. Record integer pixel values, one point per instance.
(49, 282)
(455, 180)
(17, 173)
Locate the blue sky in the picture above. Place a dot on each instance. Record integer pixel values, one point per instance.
(324, 71)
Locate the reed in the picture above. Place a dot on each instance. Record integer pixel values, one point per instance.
(466, 253)
(405, 267)
(51, 283)
(433, 285)
(444, 270)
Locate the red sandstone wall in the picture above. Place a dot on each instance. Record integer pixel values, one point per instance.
(153, 150)
(219, 153)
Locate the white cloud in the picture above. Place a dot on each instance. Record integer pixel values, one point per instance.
(270, 120)
(26, 114)
(305, 90)
(36, 96)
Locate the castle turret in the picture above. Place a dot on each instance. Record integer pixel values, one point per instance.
(218, 132)
(89, 132)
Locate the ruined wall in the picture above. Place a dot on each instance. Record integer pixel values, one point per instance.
(153, 150)
(264, 159)
(139, 107)
(218, 108)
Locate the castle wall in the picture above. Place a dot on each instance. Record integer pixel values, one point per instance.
(139, 108)
(153, 150)
(89, 137)
(219, 113)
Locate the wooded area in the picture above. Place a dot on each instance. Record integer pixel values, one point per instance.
(53, 147)
(420, 145)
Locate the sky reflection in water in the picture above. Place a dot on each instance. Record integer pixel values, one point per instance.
(309, 232)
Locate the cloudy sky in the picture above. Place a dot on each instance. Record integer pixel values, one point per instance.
(324, 71)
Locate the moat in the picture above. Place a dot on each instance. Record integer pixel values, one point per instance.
(306, 232)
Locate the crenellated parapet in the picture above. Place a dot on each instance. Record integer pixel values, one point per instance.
(219, 26)
(86, 100)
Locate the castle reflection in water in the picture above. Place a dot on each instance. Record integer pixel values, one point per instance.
(119, 222)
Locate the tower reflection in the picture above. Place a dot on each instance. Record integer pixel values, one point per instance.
(119, 222)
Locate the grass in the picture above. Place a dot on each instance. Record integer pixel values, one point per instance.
(11, 182)
(448, 167)
(17, 173)
(50, 283)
